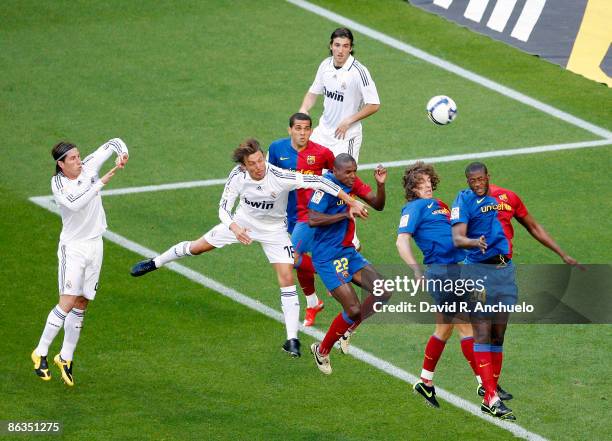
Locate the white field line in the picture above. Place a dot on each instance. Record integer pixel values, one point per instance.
(384, 366)
(391, 164)
(453, 68)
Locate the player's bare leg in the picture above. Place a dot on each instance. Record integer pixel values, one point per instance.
(290, 303)
(178, 251)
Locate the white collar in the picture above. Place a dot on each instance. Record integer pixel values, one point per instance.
(346, 66)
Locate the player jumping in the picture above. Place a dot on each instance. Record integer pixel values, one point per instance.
(335, 258)
(263, 190)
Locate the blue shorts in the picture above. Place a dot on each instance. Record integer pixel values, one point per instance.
(340, 270)
(441, 282)
(302, 237)
(499, 285)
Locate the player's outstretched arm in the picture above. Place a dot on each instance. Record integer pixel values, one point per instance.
(101, 155)
(377, 200)
(460, 239)
(75, 200)
(542, 236)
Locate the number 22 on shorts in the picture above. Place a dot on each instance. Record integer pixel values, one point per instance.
(341, 264)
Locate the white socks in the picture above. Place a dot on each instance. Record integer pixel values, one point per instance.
(72, 331)
(312, 300)
(173, 253)
(291, 309)
(55, 322)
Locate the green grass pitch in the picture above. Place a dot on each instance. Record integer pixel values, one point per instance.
(182, 83)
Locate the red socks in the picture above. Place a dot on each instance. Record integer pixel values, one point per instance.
(336, 330)
(484, 361)
(433, 352)
(305, 274)
(467, 347)
(497, 357)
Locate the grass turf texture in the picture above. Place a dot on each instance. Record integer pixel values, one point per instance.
(182, 83)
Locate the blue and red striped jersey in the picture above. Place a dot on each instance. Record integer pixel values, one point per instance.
(329, 240)
(489, 216)
(311, 160)
(428, 222)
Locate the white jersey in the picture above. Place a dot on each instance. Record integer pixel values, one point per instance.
(345, 91)
(79, 199)
(263, 204)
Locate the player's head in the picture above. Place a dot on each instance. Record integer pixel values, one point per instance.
(420, 181)
(478, 178)
(67, 159)
(251, 157)
(300, 129)
(341, 45)
(345, 169)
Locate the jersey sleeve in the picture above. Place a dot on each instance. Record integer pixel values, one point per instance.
(410, 218)
(360, 188)
(317, 85)
(367, 86)
(520, 210)
(319, 201)
(228, 198)
(290, 180)
(95, 160)
(73, 198)
(460, 211)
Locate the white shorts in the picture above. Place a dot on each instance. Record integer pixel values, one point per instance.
(350, 145)
(277, 245)
(80, 263)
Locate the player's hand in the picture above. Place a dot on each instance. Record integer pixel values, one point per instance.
(380, 174)
(342, 128)
(120, 161)
(573, 262)
(107, 177)
(242, 234)
(482, 244)
(357, 209)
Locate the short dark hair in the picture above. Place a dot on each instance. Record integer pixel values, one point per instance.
(246, 148)
(299, 117)
(343, 159)
(58, 152)
(341, 33)
(413, 176)
(474, 167)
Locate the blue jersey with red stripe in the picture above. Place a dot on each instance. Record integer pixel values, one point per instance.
(428, 222)
(489, 216)
(311, 160)
(330, 240)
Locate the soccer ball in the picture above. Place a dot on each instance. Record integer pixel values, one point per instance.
(441, 110)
